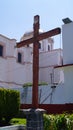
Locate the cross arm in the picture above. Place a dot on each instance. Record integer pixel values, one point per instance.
(50, 33)
(24, 42)
(40, 37)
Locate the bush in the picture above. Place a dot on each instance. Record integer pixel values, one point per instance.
(9, 104)
(49, 123)
(61, 122)
(58, 122)
(2, 103)
(18, 121)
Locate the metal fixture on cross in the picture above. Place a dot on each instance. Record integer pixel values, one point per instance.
(35, 40)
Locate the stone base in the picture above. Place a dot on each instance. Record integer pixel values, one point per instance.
(34, 119)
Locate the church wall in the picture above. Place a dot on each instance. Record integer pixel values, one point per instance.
(51, 75)
(3, 69)
(26, 54)
(9, 45)
(14, 74)
(10, 48)
(67, 36)
(22, 73)
(68, 83)
(47, 61)
(49, 58)
(45, 74)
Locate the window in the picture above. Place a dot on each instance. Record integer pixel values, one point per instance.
(48, 48)
(19, 57)
(27, 45)
(1, 50)
(39, 45)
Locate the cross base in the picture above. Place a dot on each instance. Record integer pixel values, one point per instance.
(34, 118)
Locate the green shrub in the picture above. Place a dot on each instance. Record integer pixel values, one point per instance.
(69, 118)
(27, 84)
(58, 122)
(18, 121)
(61, 122)
(49, 123)
(2, 103)
(9, 103)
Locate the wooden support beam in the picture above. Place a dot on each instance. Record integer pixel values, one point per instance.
(40, 37)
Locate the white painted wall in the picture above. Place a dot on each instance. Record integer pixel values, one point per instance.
(47, 95)
(68, 83)
(67, 36)
(47, 61)
(13, 74)
(50, 58)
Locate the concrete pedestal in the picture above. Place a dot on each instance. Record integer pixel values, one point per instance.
(34, 119)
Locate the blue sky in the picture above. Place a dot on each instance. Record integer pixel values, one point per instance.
(16, 16)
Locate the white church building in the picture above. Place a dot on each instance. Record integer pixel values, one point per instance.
(16, 63)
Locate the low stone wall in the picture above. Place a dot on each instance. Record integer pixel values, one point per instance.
(14, 127)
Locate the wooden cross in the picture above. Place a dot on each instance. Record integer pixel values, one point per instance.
(35, 40)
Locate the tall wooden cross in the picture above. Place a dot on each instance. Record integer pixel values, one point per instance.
(35, 40)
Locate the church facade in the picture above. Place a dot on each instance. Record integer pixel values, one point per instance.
(16, 63)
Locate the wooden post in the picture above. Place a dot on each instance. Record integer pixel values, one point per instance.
(35, 63)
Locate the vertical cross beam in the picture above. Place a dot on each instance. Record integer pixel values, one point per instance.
(35, 63)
